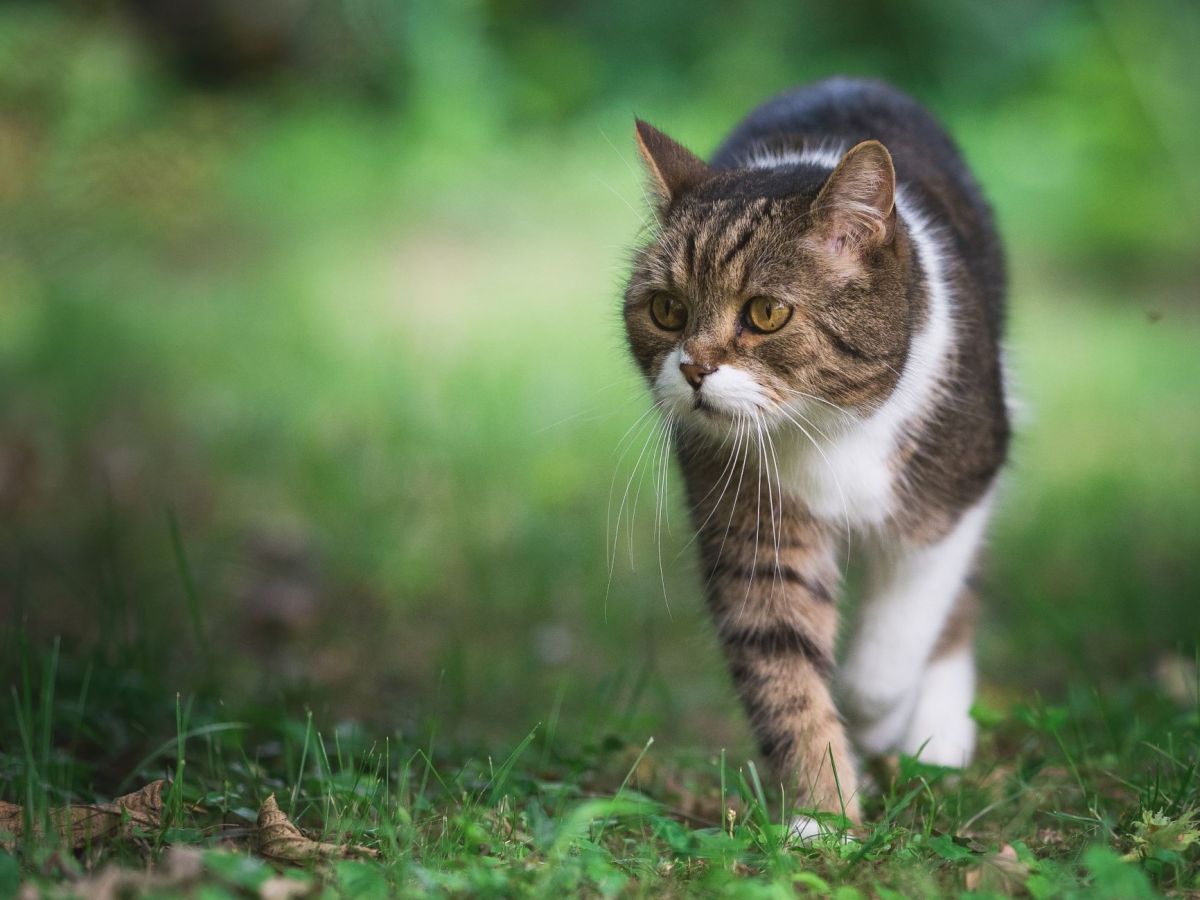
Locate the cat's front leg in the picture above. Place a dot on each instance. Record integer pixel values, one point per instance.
(771, 589)
(909, 678)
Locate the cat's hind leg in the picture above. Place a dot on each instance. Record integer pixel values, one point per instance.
(941, 730)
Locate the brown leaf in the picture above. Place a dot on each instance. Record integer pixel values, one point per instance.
(973, 877)
(87, 823)
(1001, 872)
(1177, 678)
(279, 888)
(278, 838)
(182, 868)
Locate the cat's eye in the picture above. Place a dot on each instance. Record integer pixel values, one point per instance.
(766, 314)
(668, 312)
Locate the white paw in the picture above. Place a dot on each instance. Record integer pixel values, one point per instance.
(804, 830)
(951, 742)
(880, 734)
(942, 731)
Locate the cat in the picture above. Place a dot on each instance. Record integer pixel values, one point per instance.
(819, 313)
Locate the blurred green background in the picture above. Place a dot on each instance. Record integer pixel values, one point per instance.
(312, 382)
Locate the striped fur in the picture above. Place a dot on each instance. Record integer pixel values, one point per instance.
(875, 415)
(771, 580)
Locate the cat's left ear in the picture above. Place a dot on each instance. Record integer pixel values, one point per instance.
(856, 208)
(673, 169)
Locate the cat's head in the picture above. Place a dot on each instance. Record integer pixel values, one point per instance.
(769, 290)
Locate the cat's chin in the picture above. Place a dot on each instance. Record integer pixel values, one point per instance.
(709, 420)
(708, 410)
(715, 414)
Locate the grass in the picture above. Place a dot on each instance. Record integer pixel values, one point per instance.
(1096, 796)
(309, 434)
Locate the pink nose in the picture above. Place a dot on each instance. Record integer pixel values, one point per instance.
(694, 373)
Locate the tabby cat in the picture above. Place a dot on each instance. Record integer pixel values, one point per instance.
(818, 313)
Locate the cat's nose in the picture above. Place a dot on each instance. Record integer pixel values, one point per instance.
(694, 373)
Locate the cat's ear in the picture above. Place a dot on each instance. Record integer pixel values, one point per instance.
(856, 209)
(673, 169)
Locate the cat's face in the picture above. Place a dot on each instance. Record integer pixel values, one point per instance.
(763, 296)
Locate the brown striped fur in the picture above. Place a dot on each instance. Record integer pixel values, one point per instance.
(824, 239)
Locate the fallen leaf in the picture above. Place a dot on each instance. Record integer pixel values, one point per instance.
(278, 887)
(87, 823)
(1050, 837)
(278, 838)
(181, 869)
(1177, 678)
(973, 877)
(1001, 872)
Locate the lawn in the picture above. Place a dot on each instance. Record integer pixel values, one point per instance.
(322, 476)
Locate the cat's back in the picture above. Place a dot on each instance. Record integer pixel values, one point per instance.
(821, 120)
(844, 111)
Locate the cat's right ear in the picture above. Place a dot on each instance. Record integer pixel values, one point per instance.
(673, 169)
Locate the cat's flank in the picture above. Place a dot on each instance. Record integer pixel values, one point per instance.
(819, 316)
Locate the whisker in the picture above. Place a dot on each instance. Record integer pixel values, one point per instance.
(668, 449)
(617, 470)
(757, 511)
(591, 413)
(646, 198)
(779, 487)
(836, 481)
(645, 223)
(655, 406)
(662, 505)
(730, 465)
(733, 508)
(810, 423)
(846, 417)
(625, 498)
(655, 440)
(807, 396)
(762, 461)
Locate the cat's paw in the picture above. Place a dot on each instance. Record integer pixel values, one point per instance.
(878, 737)
(948, 742)
(877, 729)
(941, 730)
(805, 829)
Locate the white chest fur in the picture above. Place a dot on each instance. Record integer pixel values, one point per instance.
(844, 480)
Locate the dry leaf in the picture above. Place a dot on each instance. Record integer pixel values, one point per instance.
(1001, 872)
(87, 823)
(279, 888)
(1177, 678)
(181, 869)
(1051, 837)
(278, 838)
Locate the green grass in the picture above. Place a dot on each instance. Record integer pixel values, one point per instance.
(310, 430)
(1096, 796)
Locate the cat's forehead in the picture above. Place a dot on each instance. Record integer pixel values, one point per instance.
(715, 246)
(695, 223)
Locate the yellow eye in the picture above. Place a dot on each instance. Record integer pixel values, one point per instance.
(766, 314)
(668, 313)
